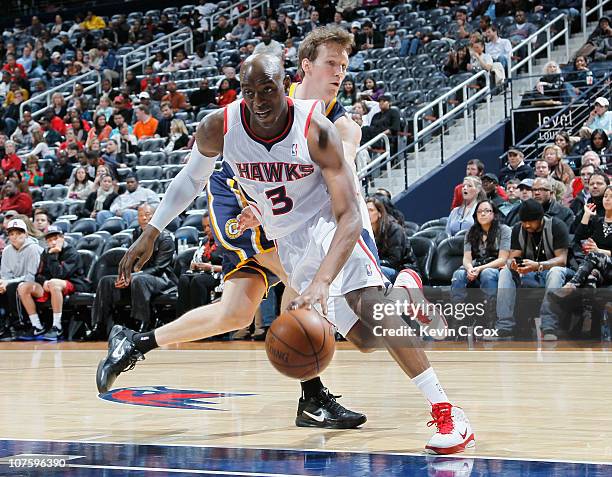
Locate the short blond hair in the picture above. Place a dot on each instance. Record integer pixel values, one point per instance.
(320, 36)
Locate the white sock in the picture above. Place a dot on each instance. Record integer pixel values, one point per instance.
(57, 320)
(428, 384)
(35, 320)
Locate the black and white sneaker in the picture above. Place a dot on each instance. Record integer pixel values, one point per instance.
(31, 334)
(122, 356)
(323, 410)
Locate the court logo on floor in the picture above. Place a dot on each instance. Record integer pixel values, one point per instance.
(162, 396)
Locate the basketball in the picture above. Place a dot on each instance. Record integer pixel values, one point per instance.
(300, 344)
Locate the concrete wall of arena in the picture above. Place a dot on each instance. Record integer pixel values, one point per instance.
(430, 197)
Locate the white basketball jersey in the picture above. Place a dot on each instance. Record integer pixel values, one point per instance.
(281, 182)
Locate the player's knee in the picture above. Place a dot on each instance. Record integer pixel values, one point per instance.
(235, 319)
(24, 289)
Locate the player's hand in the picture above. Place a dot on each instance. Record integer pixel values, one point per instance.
(138, 254)
(120, 283)
(247, 220)
(317, 292)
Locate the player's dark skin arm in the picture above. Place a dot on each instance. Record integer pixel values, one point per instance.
(209, 139)
(326, 150)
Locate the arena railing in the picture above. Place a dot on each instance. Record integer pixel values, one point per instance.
(419, 134)
(585, 14)
(229, 11)
(62, 88)
(167, 42)
(363, 169)
(532, 53)
(580, 108)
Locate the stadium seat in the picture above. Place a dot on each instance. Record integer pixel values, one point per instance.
(171, 171)
(63, 224)
(194, 220)
(177, 157)
(57, 192)
(85, 225)
(55, 209)
(113, 225)
(91, 242)
(120, 239)
(448, 258)
(189, 234)
(151, 159)
(424, 249)
(434, 223)
(437, 234)
(151, 145)
(148, 172)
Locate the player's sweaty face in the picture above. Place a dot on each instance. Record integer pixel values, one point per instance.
(263, 97)
(329, 68)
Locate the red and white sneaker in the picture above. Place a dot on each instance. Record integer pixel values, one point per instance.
(435, 324)
(454, 433)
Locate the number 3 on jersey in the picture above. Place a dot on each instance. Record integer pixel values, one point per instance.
(279, 197)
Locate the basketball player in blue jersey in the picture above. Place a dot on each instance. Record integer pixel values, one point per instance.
(306, 203)
(250, 260)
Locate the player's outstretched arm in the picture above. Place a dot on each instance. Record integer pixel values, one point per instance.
(325, 147)
(184, 188)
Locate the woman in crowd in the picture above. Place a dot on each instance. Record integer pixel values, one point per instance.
(600, 143)
(160, 61)
(462, 217)
(128, 143)
(390, 238)
(82, 186)
(370, 92)
(131, 82)
(578, 77)
(58, 105)
(104, 108)
(226, 94)
(41, 62)
(562, 140)
(39, 145)
(95, 59)
(10, 161)
(348, 95)
(552, 84)
(594, 233)
(102, 197)
(485, 251)
(179, 136)
(560, 170)
(80, 133)
(458, 61)
(81, 60)
(101, 131)
(196, 286)
(33, 176)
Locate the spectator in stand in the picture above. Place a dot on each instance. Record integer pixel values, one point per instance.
(60, 273)
(552, 85)
(128, 142)
(155, 277)
(598, 40)
(20, 260)
(593, 233)
(461, 29)
(58, 105)
(516, 167)
(386, 121)
(10, 161)
(485, 251)
(474, 168)
(101, 131)
(201, 58)
(27, 58)
(369, 38)
(581, 185)
(522, 29)
(348, 94)
(268, 46)
(55, 70)
(15, 200)
(203, 98)
(500, 49)
(597, 143)
(15, 69)
(599, 118)
(226, 94)
(580, 77)
(195, 286)
(542, 245)
(221, 29)
(22, 136)
(93, 22)
(312, 23)
(462, 217)
(542, 169)
(598, 182)
(369, 91)
(542, 192)
(458, 61)
(241, 32)
(479, 60)
(513, 201)
(82, 186)
(562, 140)
(390, 238)
(40, 64)
(71, 138)
(560, 170)
(490, 183)
(167, 115)
(109, 65)
(146, 125)
(177, 100)
(60, 171)
(179, 62)
(178, 137)
(104, 108)
(101, 198)
(33, 176)
(126, 205)
(230, 75)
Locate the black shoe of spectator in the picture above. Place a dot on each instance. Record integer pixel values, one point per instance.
(324, 411)
(8, 334)
(122, 356)
(95, 334)
(260, 334)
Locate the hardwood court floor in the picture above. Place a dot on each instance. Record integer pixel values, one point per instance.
(523, 403)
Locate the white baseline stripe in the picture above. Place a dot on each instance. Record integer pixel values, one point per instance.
(185, 471)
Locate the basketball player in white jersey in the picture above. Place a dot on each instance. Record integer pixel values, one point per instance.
(289, 162)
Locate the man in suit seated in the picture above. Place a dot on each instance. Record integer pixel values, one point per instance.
(156, 276)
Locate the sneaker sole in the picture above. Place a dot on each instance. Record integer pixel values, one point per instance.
(101, 390)
(305, 422)
(469, 443)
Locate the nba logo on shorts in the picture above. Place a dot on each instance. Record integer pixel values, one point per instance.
(369, 270)
(294, 150)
